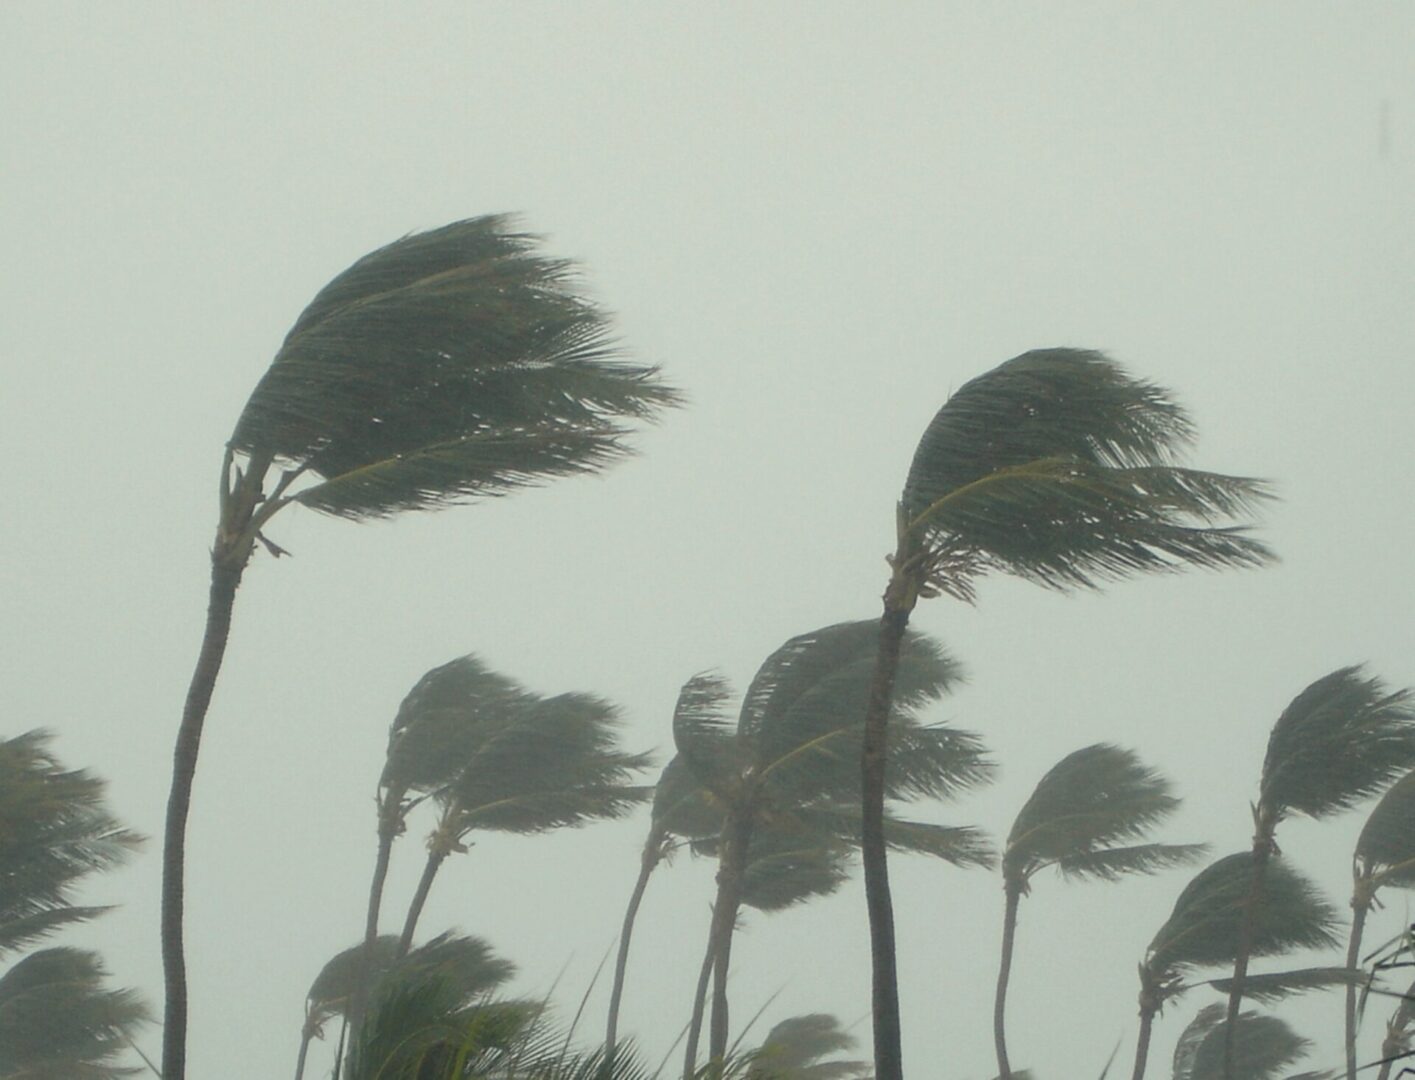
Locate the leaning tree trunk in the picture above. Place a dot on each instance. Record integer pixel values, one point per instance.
(235, 539)
(305, 1036)
(648, 861)
(390, 824)
(1263, 845)
(899, 599)
(695, 1024)
(1013, 892)
(737, 837)
(415, 909)
(1142, 1042)
(1360, 907)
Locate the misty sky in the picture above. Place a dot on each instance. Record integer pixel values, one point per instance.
(819, 219)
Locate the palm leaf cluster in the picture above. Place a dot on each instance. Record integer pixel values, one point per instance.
(1264, 1047)
(804, 1048)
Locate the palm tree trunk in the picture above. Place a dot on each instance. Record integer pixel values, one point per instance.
(1262, 849)
(415, 909)
(652, 853)
(388, 827)
(737, 835)
(227, 565)
(305, 1037)
(899, 600)
(1360, 907)
(1142, 1043)
(695, 1024)
(999, 1009)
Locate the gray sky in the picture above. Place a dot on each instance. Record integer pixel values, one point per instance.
(819, 219)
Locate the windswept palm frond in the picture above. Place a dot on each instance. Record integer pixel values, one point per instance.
(1385, 850)
(1278, 985)
(703, 734)
(1263, 1047)
(797, 1049)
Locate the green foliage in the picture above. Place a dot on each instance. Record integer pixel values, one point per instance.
(1083, 814)
(58, 1021)
(1385, 850)
(450, 364)
(797, 1049)
(1277, 985)
(54, 830)
(1341, 740)
(1263, 1047)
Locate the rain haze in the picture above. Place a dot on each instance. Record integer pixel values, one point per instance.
(819, 220)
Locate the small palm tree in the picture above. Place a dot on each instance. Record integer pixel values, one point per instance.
(1340, 741)
(59, 1020)
(1057, 467)
(54, 830)
(1083, 818)
(449, 365)
(1205, 928)
(1264, 1047)
(792, 760)
(1385, 857)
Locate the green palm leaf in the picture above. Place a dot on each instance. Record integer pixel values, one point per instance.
(1385, 850)
(1279, 985)
(1263, 1047)
(798, 1049)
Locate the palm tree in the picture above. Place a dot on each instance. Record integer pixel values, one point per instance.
(58, 1020)
(466, 965)
(1083, 818)
(1056, 466)
(1385, 856)
(1340, 741)
(54, 830)
(450, 365)
(1204, 929)
(1265, 1046)
(536, 764)
(791, 760)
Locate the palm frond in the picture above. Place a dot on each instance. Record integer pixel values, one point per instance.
(330, 992)
(962, 845)
(1385, 850)
(451, 364)
(797, 1049)
(1205, 926)
(682, 806)
(1263, 1047)
(1114, 863)
(1340, 741)
(934, 761)
(1277, 985)
(785, 869)
(703, 735)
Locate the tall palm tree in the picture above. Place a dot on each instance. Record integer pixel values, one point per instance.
(793, 755)
(1083, 818)
(1385, 856)
(449, 365)
(54, 830)
(1204, 929)
(59, 1020)
(1056, 466)
(1265, 1046)
(536, 764)
(1340, 741)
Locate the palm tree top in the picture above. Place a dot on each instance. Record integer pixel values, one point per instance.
(450, 364)
(1385, 850)
(1340, 741)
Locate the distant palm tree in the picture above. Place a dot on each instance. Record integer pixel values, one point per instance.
(1264, 1047)
(535, 764)
(791, 761)
(1385, 857)
(58, 1020)
(1083, 818)
(449, 365)
(1204, 929)
(1340, 741)
(54, 830)
(1055, 466)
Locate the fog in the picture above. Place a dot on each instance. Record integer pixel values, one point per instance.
(819, 220)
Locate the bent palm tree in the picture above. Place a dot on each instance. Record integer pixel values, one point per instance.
(449, 365)
(1083, 818)
(1340, 741)
(54, 830)
(1057, 467)
(1204, 929)
(1385, 856)
(57, 1019)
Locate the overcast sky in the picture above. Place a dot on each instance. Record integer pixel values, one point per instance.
(819, 219)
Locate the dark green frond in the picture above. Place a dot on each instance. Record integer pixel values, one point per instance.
(450, 364)
(787, 868)
(1094, 799)
(961, 845)
(1385, 850)
(935, 761)
(1340, 741)
(1263, 1046)
(703, 734)
(1277, 985)
(796, 1049)
(468, 964)
(1113, 863)
(1204, 928)
(330, 992)
(682, 806)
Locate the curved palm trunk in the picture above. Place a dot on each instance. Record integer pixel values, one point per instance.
(999, 1008)
(737, 842)
(899, 599)
(1142, 1043)
(389, 825)
(648, 861)
(695, 1024)
(1263, 846)
(415, 909)
(1360, 907)
(305, 1036)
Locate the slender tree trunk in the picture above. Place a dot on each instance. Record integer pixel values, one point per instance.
(652, 854)
(415, 909)
(731, 868)
(226, 569)
(305, 1037)
(899, 600)
(1262, 851)
(389, 824)
(999, 1009)
(695, 1024)
(1142, 1043)
(1360, 907)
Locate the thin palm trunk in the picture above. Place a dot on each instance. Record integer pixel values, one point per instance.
(737, 839)
(1142, 1042)
(415, 909)
(388, 828)
(305, 1036)
(1360, 907)
(695, 1023)
(1263, 845)
(999, 1009)
(648, 861)
(899, 600)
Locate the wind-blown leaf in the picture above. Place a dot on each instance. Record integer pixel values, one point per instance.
(1385, 850)
(1113, 863)
(796, 1049)
(1277, 985)
(1262, 1047)
(1340, 741)
(682, 806)
(703, 735)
